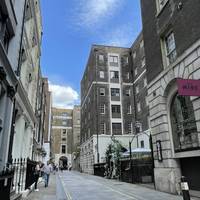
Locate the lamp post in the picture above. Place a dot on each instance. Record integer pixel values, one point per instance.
(130, 156)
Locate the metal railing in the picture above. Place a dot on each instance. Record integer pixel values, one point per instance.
(16, 177)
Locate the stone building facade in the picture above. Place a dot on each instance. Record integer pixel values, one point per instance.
(107, 103)
(172, 48)
(28, 109)
(21, 108)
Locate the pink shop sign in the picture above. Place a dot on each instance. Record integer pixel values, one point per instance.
(188, 87)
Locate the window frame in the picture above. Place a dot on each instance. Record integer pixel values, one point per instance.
(138, 106)
(101, 74)
(102, 91)
(102, 109)
(113, 91)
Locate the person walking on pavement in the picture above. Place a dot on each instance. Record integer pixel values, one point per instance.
(47, 170)
(36, 175)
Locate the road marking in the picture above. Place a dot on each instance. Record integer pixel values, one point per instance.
(69, 197)
(126, 195)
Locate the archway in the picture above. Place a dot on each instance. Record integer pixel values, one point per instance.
(63, 162)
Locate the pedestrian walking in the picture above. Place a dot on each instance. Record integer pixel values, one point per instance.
(47, 168)
(36, 175)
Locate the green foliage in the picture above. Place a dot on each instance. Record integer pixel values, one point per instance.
(113, 155)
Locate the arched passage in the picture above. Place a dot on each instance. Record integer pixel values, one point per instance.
(63, 162)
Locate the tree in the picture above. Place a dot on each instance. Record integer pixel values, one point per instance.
(113, 155)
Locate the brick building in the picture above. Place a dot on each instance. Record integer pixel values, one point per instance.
(62, 136)
(108, 104)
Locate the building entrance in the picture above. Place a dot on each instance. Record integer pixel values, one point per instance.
(190, 169)
(63, 162)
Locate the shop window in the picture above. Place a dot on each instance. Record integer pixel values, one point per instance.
(184, 129)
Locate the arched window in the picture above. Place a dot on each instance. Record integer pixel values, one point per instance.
(184, 130)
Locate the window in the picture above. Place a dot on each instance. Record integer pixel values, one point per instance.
(114, 75)
(101, 74)
(116, 111)
(145, 82)
(136, 72)
(129, 110)
(63, 139)
(113, 59)
(170, 48)
(161, 4)
(138, 107)
(102, 91)
(115, 92)
(88, 115)
(128, 75)
(116, 129)
(63, 149)
(102, 128)
(137, 89)
(64, 131)
(125, 60)
(128, 92)
(129, 128)
(142, 44)
(102, 108)
(143, 62)
(142, 143)
(4, 33)
(101, 58)
(89, 132)
(64, 123)
(183, 123)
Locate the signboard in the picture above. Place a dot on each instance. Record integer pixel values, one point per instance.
(159, 150)
(188, 87)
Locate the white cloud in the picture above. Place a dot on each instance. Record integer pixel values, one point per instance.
(63, 96)
(121, 36)
(91, 13)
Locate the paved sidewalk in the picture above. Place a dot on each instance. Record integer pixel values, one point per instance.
(48, 193)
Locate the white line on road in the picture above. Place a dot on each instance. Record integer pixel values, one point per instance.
(126, 195)
(69, 197)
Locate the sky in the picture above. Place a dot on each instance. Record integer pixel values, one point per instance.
(70, 27)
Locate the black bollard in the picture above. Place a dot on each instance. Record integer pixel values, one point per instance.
(185, 188)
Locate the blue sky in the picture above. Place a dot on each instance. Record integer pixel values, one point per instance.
(70, 27)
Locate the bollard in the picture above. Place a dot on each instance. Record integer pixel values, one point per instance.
(185, 188)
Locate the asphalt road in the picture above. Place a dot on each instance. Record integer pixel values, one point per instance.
(78, 186)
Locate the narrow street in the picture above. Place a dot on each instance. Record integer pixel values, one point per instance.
(79, 186)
